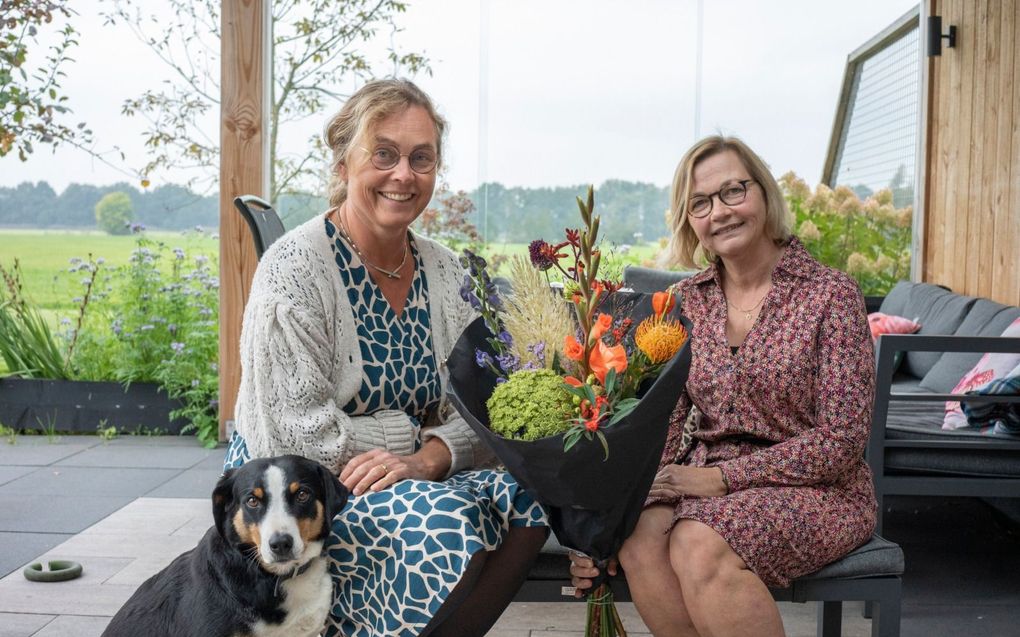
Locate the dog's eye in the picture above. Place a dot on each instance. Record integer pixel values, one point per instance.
(303, 496)
(252, 502)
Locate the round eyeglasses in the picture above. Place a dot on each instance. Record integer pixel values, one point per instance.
(422, 160)
(730, 194)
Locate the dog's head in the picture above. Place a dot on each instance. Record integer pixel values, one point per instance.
(281, 508)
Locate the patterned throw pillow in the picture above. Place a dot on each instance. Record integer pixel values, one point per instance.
(890, 324)
(1004, 416)
(990, 367)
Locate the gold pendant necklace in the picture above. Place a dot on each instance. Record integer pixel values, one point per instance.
(748, 312)
(390, 274)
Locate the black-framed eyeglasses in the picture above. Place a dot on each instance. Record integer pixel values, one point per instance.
(730, 194)
(422, 160)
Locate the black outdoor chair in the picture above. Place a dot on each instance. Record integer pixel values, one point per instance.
(263, 221)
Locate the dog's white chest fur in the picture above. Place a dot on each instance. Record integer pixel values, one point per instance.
(307, 602)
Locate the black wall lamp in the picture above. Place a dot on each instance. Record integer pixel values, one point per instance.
(935, 35)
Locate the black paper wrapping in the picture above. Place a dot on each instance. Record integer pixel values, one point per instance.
(593, 504)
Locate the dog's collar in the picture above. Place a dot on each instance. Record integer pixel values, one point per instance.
(297, 570)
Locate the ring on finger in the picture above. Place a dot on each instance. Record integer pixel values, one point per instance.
(386, 470)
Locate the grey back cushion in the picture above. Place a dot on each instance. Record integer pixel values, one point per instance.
(641, 279)
(938, 310)
(986, 318)
(897, 299)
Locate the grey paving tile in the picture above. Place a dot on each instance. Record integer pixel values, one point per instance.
(157, 517)
(22, 624)
(139, 456)
(86, 596)
(11, 473)
(952, 620)
(21, 548)
(88, 481)
(37, 451)
(160, 442)
(74, 626)
(55, 514)
(193, 483)
(213, 463)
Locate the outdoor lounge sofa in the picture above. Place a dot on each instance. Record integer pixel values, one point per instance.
(909, 452)
(871, 573)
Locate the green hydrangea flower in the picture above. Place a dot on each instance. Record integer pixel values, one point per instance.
(531, 404)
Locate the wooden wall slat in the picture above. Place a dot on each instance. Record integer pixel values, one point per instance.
(934, 224)
(243, 136)
(999, 149)
(982, 126)
(972, 198)
(1009, 290)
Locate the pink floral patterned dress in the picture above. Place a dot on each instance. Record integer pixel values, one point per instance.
(786, 418)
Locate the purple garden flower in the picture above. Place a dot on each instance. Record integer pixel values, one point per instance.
(482, 358)
(177, 347)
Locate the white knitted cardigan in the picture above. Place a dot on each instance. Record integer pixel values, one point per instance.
(301, 362)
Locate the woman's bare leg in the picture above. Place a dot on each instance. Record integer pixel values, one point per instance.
(724, 598)
(654, 586)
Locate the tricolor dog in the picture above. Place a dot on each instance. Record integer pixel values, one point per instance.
(259, 572)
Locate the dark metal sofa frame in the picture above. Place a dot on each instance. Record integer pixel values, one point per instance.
(881, 589)
(917, 481)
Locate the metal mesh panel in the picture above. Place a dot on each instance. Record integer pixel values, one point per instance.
(878, 148)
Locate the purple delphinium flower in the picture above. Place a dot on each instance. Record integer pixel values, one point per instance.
(538, 351)
(505, 338)
(482, 358)
(508, 362)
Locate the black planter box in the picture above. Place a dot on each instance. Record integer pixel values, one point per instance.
(67, 405)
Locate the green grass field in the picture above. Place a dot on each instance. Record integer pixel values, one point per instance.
(44, 256)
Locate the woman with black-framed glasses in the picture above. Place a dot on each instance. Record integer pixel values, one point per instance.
(763, 478)
(346, 333)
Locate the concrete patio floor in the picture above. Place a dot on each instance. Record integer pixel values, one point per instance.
(125, 507)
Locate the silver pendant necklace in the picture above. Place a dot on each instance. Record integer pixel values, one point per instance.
(390, 274)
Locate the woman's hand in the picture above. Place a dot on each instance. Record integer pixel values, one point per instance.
(676, 480)
(377, 469)
(583, 571)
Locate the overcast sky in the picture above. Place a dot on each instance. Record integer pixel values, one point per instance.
(578, 91)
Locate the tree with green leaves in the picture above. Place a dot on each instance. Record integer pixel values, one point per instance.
(114, 213)
(318, 47)
(33, 109)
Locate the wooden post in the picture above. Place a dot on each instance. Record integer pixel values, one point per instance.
(246, 71)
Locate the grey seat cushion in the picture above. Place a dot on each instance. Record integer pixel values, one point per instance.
(986, 318)
(876, 557)
(641, 279)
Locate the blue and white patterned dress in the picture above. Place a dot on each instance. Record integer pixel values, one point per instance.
(395, 555)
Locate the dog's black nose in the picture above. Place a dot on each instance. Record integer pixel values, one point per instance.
(281, 544)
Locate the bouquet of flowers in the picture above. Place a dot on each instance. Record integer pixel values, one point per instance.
(573, 391)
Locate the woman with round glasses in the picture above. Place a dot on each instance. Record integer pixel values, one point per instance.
(347, 329)
(771, 483)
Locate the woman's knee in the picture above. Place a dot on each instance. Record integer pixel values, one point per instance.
(701, 557)
(648, 545)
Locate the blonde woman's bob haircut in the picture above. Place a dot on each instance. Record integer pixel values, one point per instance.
(684, 248)
(369, 105)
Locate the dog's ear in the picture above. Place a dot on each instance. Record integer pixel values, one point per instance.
(223, 499)
(335, 493)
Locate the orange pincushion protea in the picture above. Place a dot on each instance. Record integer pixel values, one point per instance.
(660, 339)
